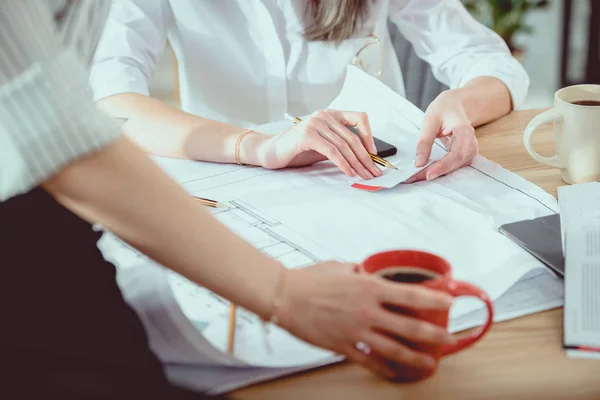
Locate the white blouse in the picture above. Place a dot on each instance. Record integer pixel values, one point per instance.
(246, 62)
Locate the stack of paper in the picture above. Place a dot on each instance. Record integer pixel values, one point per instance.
(580, 219)
(302, 216)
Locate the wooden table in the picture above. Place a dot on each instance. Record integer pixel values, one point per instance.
(518, 359)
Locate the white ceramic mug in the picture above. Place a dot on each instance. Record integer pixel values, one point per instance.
(576, 134)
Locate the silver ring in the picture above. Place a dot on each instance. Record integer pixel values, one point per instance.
(363, 348)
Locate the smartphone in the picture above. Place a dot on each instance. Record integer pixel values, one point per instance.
(384, 149)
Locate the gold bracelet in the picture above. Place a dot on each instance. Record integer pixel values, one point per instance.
(274, 318)
(237, 145)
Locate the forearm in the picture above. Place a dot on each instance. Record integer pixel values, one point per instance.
(484, 99)
(163, 130)
(121, 189)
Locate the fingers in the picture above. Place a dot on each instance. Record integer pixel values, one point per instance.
(419, 176)
(342, 147)
(355, 160)
(353, 143)
(361, 121)
(462, 149)
(430, 130)
(412, 329)
(413, 296)
(372, 362)
(395, 351)
(323, 146)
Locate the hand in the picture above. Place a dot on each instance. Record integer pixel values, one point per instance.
(320, 137)
(445, 118)
(333, 307)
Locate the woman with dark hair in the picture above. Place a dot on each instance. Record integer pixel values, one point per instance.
(246, 63)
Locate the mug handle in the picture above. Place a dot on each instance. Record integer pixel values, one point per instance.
(541, 119)
(458, 288)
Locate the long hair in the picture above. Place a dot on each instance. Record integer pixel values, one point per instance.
(335, 20)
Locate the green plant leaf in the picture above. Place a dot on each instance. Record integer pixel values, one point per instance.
(505, 17)
(528, 29)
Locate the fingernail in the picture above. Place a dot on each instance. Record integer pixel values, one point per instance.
(411, 179)
(431, 177)
(388, 373)
(451, 339)
(377, 171)
(449, 300)
(369, 175)
(429, 362)
(352, 172)
(419, 160)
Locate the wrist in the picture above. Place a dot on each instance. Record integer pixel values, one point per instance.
(279, 296)
(251, 146)
(458, 101)
(289, 301)
(457, 95)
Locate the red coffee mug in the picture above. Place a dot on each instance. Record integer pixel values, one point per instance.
(413, 263)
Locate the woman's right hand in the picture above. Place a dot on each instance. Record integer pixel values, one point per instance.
(333, 307)
(323, 135)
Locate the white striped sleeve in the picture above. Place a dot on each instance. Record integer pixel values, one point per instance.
(47, 117)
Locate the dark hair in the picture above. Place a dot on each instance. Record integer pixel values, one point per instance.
(334, 20)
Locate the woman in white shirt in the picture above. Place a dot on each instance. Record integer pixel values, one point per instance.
(245, 63)
(66, 330)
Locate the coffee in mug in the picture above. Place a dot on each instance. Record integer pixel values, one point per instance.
(592, 103)
(576, 118)
(407, 274)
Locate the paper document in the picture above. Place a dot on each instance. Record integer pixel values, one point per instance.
(301, 216)
(578, 206)
(393, 119)
(209, 313)
(580, 225)
(582, 287)
(539, 290)
(424, 216)
(591, 354)
(484, 184)
(352, 225)
(286, 245)
(188, 358)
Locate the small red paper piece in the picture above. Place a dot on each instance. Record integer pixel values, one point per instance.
(367, 187)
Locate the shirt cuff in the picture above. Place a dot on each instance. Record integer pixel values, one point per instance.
(48, 117)
(506, 69)
(111, 77)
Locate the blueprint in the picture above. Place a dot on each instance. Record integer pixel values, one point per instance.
(305, 215)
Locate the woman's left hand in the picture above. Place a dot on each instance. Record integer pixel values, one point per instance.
(446, 119)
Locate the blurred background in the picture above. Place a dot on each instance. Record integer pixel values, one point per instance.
(557, 41)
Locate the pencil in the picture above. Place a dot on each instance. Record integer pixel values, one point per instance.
(381, 161)
(376, 159)
(231, 338)
(209, 202)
